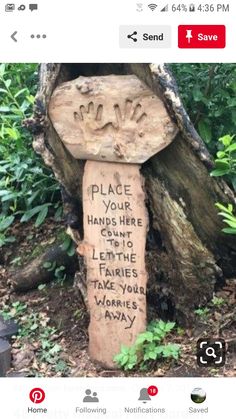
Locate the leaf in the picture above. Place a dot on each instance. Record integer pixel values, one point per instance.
(66, 244)
(229, 230)
(218, 172)
(55, 349)
(5, 222)
(124, 349)
(220, 154)
(10, 239)
(231, 148)
(71, 250)
(8, 83)
(124, 360)
(222, 164)
(226, 140)
(118, 358)
(41, 216)
(20, 92)
(230, 223)
(228, 216)
(205, 130)
(144, 337)
(5, 109)
(3, 192)
(34, 326)
(2, 70)
(13, 133)
(161, 325)
(171, 350)
(47, 265)
(10, 196)
(169, 326)
(41, 287)
(29, 214)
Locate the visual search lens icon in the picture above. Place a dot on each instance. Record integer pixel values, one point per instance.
(37, 395)
(211, 352)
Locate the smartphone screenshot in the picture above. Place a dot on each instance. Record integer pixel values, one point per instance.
(118, 209)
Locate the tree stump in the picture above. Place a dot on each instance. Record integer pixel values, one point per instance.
(117, 121)
(187, 255)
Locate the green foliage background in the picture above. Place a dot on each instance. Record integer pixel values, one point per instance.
(28, 189)
(208, 92)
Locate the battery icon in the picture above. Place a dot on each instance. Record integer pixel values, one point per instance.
(192, 7)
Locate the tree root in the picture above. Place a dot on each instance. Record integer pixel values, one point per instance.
(35, 272)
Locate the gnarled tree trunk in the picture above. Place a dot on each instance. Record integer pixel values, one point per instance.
(187, 256)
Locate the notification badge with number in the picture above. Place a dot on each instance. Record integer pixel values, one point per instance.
(152, 391)
(37, 395)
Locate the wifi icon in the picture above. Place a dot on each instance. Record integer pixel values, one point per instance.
(152, 6)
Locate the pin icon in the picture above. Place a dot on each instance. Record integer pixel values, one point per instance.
(189, 35)
(37, 395)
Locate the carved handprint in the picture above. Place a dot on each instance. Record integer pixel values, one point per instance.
(89, 119)
(132, 119)
(128, 125)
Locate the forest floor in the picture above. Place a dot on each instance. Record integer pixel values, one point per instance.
(53, 321)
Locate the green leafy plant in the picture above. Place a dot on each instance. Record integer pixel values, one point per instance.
(15, 310)
(35, 328)
(149, 347)
(217, 301)
(228, 218)
(27, 188)
(69, 246)
(5, 223)
(59, 271)
(60, 274)
(208, 92)
(202, 312)
(225, 164)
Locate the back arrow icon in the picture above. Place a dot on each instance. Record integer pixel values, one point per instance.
(13, 36)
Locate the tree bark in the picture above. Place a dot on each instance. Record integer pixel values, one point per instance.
(187, 255)
(35, 272)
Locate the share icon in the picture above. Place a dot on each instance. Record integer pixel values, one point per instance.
(133, 36)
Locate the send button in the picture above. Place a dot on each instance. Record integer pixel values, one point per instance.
(145, 36)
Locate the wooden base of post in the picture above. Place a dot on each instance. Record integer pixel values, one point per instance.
(115, 227)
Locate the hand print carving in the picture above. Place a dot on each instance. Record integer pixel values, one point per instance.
(129, 125)
(89, 120)
(132, 119)
(116, 119)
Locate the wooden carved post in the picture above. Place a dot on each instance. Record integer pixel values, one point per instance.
(115, 123)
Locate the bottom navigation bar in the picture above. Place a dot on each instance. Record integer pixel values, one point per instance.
(115, 398)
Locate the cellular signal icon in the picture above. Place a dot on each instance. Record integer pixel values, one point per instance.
(165, 9)
(152, 6)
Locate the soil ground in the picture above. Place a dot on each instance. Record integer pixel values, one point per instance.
(58, 307)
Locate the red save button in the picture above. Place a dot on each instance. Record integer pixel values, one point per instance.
(201, 36)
